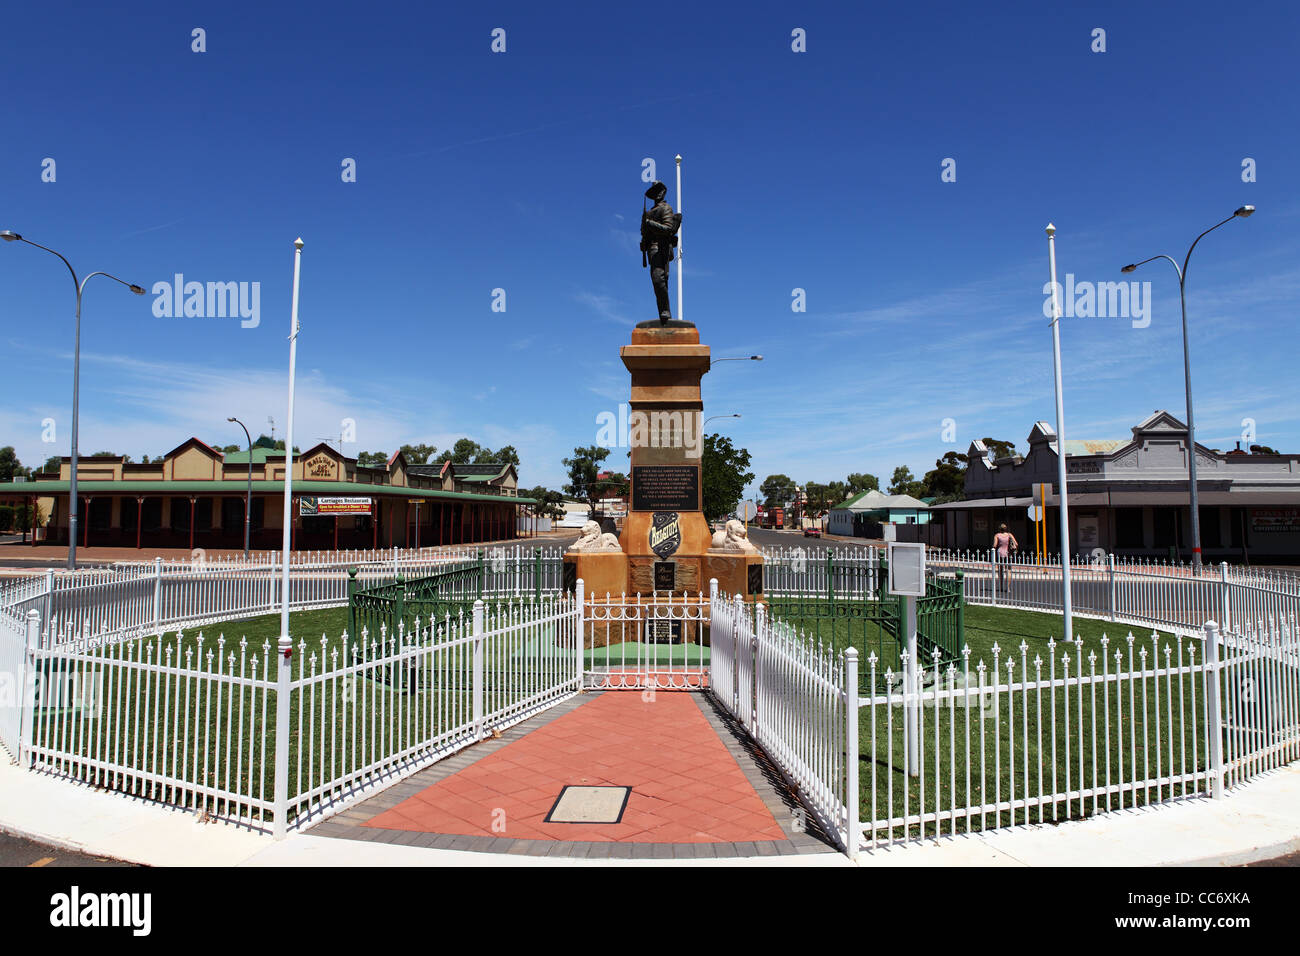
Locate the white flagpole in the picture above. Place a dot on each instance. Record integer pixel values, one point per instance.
(681, 317)
(286, 535)
(284, 655)
(1060, 438)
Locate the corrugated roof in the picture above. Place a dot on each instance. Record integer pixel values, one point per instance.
(239, 486)
(874, 500)
(260, 455)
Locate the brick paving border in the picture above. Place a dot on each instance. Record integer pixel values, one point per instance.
(766, 780)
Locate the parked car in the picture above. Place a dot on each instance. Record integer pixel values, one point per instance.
(812, 531)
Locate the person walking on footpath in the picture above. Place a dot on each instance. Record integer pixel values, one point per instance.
(1004, 544)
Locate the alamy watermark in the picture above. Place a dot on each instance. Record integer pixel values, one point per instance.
(212, 300)
(1102, 300)
(659, 429)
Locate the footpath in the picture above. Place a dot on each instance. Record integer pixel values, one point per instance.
(1258, 821)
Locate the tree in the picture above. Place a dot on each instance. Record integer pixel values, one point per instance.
(462, 453)
(1000, 449)
(724, 476)
(415, 454)
(10, 466)
(836, 491)
(816, 494)
(549, 503)
(947, 479)
(904, 484)
(506, 454)
(776, 490)
(52, 464)
(859, 482)
(372, 459)
(583, 468)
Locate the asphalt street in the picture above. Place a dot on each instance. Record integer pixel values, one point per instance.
(17, 851)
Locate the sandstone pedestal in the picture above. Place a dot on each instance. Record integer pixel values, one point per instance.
(666, 539)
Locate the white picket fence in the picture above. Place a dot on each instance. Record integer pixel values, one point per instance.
(1013, 740)
(232, 729)
(1159, 594)
(198, 723)
(638, 643)
(135, 599)
(792, 698)
(13, 643)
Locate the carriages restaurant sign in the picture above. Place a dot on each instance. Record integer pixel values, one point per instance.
(308, 506)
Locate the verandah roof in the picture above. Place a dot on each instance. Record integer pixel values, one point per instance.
(347, 488)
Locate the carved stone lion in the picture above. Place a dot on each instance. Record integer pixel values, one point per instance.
(591, 539)
(734, 538)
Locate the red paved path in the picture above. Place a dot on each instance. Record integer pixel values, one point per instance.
(686, 787)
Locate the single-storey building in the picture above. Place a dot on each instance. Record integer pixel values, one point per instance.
(864, 514)
(1129, 496)
(194, 497)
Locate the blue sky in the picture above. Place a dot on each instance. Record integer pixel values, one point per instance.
(521, 171)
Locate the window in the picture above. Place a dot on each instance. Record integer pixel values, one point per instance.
(232, 514)
(100, 515)
(1165, 521)
(203, 514)
(180, 517)
(1211, 532)
(1236, 525)
(1128, 528)
(130, 511)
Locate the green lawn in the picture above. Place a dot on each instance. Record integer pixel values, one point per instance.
(207, 733)
(1137, 728)
(216, 733)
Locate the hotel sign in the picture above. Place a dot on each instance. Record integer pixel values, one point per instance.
(320, 466)
(334, 506)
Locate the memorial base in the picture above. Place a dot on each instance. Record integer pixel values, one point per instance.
(602, 572)
(737, 573)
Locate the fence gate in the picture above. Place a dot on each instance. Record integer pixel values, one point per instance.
(634, 642)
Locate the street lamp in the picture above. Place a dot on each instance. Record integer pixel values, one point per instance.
(8, 235)
(1242, 213)
(248, 501)
(712, 417)
(738, 358)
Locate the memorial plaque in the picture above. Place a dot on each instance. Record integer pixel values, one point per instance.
(665, 575)
(570, 583)
(665, 487)
(663, 632)
(755, 579)
(665, 533)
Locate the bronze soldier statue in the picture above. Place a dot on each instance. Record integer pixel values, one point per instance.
(659, 227)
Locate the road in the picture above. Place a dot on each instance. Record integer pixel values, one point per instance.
(17, 851)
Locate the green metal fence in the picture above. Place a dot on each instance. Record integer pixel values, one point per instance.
(875, 625)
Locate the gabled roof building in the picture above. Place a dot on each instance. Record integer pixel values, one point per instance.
(1130, 496)
(194, 497)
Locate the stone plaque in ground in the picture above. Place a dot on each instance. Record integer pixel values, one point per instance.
(589, 805)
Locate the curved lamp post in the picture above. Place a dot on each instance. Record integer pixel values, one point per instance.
(1242, 213)
(738, 358)
(712, 417)
(248, 500)
(9, 235)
